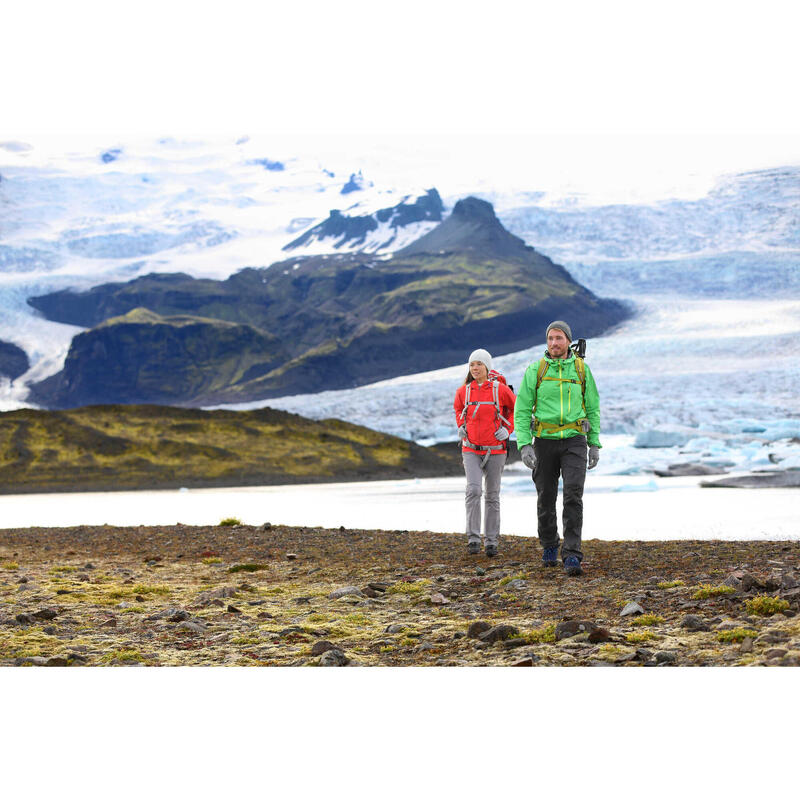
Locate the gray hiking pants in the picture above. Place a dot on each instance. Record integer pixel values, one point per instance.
(475, 477)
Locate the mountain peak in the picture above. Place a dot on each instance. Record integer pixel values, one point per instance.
(472, 208)
(473, 226)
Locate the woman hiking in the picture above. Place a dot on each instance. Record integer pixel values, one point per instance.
(484, 408)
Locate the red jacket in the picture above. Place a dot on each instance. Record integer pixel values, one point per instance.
(482, 426)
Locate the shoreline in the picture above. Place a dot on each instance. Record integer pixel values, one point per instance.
(300, 596)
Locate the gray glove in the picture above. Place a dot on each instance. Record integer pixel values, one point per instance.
(594, 456)
(528, 456)
(501, 434)
(462, 432)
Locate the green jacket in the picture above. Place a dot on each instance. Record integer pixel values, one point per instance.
(556, 402)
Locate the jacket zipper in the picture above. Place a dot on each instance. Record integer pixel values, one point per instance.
(561, 397)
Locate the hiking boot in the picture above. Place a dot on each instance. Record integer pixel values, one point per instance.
(491, 550)
(474, 548)
(572, 566)
(550, 556)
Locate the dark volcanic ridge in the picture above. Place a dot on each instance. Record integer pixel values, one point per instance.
(317, 322)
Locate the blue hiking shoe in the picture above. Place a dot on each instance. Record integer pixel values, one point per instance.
(491, 550)
(474, 548)
(550, 556)
(572, 566)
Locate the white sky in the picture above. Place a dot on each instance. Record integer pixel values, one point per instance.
(593, 93)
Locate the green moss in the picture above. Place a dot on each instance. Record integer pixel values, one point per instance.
(10, 565)
(647, 619)
(706, 590)
(521, 576)
(357, 619)
(765, 605)
(670, 584)
(541, 635)
(737, 635)
(409, 587)
(230, 522)
(634, 637)
(247, 567)
(124, 655)
(141, 588)
(60, 570)
(245, 639)
(212, 560)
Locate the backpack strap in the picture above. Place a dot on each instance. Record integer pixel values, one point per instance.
(540, 372)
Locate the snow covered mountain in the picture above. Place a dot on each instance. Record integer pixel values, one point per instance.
(120, 210)
(385, 230)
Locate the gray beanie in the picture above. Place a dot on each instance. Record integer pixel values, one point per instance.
(560, 325)
(482, 356)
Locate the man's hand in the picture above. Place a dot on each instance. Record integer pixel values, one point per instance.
(594, 456)
(501, 434)
(528, 456)
(462, 432)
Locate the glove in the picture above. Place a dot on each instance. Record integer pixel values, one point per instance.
(594, 456)
(462, 432)
(528, 456)
(501, 434)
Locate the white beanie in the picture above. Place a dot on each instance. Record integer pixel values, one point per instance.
(482, 356)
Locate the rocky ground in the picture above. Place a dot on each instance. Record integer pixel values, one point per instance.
(275, 595)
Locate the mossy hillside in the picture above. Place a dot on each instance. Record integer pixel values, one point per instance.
(338, 320)
(144, 357)
(127, 447)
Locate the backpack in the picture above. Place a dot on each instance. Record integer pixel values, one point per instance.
(496, 378)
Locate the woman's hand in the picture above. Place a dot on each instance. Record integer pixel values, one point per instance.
(501, 434)
(462, 432)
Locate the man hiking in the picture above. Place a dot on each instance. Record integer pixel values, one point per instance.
(557, 406)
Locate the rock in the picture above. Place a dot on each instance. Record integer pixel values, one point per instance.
(439, 599)
(666, 656)
(35, 661)
(57, 661)
(50, 630)
(630, 609)
(572, 627)
(233, 610)
(510, 644)
(600, 635)
(333, 658)
(322, 646)
(24, 619)
(480, 571)
(524, 662)
(775, 652)
(395, 628)
(223, 591)
(368, 591)
(694, 623)
(291, 556)
(477, 628)
(291, 629)
(517, 583)
(298, 601)
(378, 587)
(194, 627)
(747, 645)
(111, 622)
(789, 581)
(499, 633)
(773, 637)
(682, 470)
(344, 591)
(178, 615)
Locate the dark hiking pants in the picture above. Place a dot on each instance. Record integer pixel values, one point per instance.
(565, 457)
